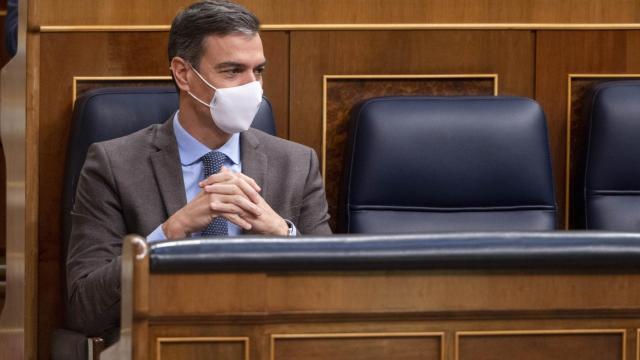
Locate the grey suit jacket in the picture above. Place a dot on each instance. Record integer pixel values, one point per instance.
(134, 183)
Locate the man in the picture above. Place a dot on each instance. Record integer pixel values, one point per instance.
(201, 173)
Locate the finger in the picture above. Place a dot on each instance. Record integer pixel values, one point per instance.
(223, 189)
(216, 178)
(247, 189)
(221, 207)
(251, 182)
(236, 186)
(236, 219)
(246, 178)
(242, 202)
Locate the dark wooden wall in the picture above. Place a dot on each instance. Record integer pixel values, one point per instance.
(534, 58)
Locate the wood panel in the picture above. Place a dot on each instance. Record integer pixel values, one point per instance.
(64, 56)
(341, 94)
(119, 12)
(396, 346)
(582, 52)
(428, 292)
(353, 337)
(202, 348)
(566, 345)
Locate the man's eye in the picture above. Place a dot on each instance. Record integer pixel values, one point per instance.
(259, 71)
(232, 71)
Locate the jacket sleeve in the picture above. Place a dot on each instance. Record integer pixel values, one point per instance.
(314, 214)
(95, 246)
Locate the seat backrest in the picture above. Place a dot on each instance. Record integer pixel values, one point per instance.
(612, 172)
(418, 164)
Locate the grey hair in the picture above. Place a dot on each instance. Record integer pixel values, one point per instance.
(210, 17)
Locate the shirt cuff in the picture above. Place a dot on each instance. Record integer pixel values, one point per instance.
(292, 228)
(157, 235)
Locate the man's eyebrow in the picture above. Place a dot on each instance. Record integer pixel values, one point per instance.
(230, 64)
(233, 64)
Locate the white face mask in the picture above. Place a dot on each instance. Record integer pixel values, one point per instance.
(233, 108)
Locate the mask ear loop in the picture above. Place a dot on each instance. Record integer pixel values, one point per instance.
(198, 100)
(202, 78)
(206, 82)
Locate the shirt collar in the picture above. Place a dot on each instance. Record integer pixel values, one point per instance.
(191, 150)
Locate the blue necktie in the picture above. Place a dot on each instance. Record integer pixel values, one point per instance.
(212, 162)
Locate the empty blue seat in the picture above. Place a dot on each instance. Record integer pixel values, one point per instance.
(612, 173)
(417, 164)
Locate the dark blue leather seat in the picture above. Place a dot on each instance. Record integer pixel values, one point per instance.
(105, 114)
(612, 175)
(417, 164)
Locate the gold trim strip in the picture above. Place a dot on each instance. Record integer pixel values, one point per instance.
(101, 28)
(242, 339)
(3, 12)
(567, 185)
(76, 79)
(326, 78)
(359, 27)
(540, 332)
(459, 334)
(274, 337)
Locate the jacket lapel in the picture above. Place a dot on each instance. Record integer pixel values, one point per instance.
(167, 169)
(254, 161)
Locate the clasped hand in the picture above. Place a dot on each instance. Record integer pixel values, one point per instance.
(234, 196)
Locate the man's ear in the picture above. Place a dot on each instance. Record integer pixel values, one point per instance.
(180, 70)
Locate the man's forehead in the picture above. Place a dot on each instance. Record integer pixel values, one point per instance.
(233, 48)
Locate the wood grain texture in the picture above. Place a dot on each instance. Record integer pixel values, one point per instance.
(200, 349)
(542, 346)
(355, 348)
(389, 293)
(222, 338)
(64, 56)
(582, 52)
(399, 52)
(343, 94)
(120, 12)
